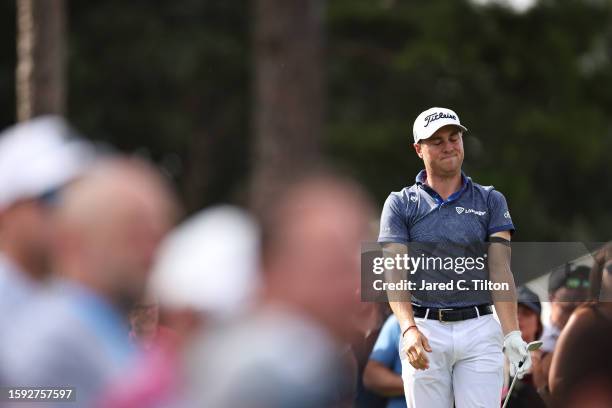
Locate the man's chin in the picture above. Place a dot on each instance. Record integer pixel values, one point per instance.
(449, 169)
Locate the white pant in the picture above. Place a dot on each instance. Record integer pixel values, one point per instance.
(465, 365)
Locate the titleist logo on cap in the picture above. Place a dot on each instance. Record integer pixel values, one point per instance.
(438, 115)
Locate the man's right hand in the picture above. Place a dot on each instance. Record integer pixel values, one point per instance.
(415, 344)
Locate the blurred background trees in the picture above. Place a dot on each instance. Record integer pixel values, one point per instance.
(178, 82)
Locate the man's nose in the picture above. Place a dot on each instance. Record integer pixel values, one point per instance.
(447, 146)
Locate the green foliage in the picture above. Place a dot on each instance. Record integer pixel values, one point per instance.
(173, 80)
(534, 89)
(167, 79)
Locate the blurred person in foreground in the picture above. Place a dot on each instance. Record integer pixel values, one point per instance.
(568, 287)
(581, 369)
(525, 394)
(288, 350)
(383, 373)
(105, 236)
(206, 273)
(37, 158)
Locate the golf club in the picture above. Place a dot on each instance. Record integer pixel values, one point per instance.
(533, 346)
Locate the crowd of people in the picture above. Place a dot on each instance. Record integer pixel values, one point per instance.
(108, 289)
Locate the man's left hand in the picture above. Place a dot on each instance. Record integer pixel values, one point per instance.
(515, 349)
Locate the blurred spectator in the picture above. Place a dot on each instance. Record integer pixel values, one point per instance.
(368, 320)
(580, 374)
(529, 314)
(37, 158)
(383, 373)
(287, 351)
(525, 394)
(106, 234)
(568, 287)
(206, 273)
(209, 264)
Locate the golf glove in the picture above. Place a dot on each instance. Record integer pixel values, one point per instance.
(515, 349)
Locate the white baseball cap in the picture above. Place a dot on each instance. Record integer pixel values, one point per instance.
(38, 156)
(433, 119)
(209, 263)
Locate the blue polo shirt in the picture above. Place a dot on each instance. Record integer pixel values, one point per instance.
(469, 216)
(386, 352)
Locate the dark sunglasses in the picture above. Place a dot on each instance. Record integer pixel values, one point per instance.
(577, 283)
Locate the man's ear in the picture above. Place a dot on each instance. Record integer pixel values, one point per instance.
(417, 148)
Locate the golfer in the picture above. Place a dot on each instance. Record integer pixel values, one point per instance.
(451, 346)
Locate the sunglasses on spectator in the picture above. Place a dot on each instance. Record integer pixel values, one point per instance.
(577, 283)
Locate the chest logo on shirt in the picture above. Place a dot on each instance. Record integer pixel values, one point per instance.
(413, 198)
(461, 210)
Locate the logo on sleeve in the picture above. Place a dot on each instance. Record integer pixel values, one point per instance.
(507, 214)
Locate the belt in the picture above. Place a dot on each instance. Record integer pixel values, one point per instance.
(452, 314)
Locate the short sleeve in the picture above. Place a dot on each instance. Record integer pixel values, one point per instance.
(386, 348)
(500, 219)
(393, 226)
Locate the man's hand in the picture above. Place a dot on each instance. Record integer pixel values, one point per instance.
(515, 349)
(415, 344)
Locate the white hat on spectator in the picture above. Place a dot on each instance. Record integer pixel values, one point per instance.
(209, 263)
(37, 157)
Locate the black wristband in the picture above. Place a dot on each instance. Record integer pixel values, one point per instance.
(499, 240)
(408, 328)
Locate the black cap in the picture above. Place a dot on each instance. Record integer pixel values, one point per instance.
(569, 276)
(529, 299)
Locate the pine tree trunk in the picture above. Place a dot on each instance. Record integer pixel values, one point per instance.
(288, 91)
(40, 75)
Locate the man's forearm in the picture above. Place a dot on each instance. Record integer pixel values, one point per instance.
(380, 379)
(404, 314)
(399, 301)
(506, 312)
(500, 272)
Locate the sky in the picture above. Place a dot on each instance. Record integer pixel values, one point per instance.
(518, 5)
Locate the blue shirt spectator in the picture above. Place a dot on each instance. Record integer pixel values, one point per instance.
(386, 352)
(69, 336)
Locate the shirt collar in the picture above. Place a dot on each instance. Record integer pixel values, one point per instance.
(421, 179)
